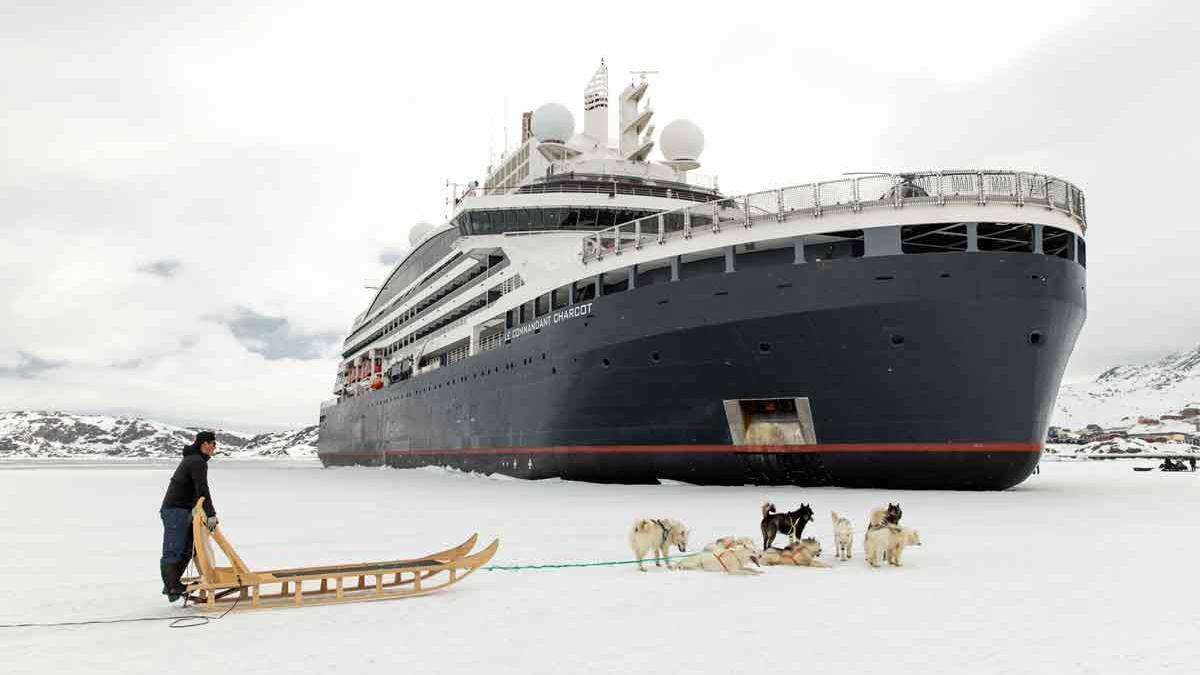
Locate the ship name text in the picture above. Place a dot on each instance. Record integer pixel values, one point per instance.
(538, 324)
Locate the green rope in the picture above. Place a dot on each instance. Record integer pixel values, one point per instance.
(604, 563)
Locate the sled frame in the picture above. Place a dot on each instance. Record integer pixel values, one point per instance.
(218, 588)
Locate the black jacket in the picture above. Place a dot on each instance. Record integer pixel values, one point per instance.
(190, 482)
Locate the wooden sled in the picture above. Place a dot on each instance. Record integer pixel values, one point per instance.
(219, 588)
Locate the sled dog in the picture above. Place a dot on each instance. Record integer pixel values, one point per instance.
(657, 535)
(732, 560)
(803, 553)
(887, 543)
(791, 523)
(885, 515)
(843, 535)
(729, 542)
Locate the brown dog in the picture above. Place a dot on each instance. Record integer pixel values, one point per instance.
(803, 553)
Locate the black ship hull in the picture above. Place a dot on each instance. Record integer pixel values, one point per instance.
(921, 371)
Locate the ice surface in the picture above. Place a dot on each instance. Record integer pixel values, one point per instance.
(1085, 567)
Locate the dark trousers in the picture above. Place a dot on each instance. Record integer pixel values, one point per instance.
(177, 535)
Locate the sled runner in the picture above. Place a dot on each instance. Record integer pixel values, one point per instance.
(219, 587)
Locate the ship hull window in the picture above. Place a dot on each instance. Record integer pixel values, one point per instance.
(658, 275)
(1058, 243)
(616, 282)
(1010, 237)
(585, 290)
(935, 238)
(560, 297)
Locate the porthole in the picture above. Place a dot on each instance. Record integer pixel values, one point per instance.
(764, 348)
(897, 340)
(605, 363)
(655, 358)
(1037, 338)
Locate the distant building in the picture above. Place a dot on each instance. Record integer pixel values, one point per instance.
(1062, 435)
(1162, 431)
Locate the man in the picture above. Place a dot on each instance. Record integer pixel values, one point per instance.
(188, 483)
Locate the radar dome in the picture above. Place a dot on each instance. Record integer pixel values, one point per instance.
(418, 232)
(553, 123)
(681, 140)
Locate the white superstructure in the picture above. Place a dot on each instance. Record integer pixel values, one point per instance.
(512, 239)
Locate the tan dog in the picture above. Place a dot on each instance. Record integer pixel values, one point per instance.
(843, 535)
(733, 560)
(730, 542)
(887, 544)
(658, 535)
(803, 553)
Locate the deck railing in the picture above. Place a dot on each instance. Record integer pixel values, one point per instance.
(845, 195)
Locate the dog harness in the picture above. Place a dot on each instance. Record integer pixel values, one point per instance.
(665, 530)
(792, 556)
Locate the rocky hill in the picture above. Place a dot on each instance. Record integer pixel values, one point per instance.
(1120, 395)
(53, 434)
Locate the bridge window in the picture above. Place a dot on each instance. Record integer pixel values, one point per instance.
(495, 221)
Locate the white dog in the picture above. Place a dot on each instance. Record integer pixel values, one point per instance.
(887, 544)
(843, 535)
(732, 560)
(658, 535)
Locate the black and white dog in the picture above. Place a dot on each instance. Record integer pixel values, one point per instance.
(791, 523)
(884, 515)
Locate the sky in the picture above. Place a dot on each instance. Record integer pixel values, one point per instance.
(194, 195)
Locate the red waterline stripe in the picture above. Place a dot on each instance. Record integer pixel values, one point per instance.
(713, 448)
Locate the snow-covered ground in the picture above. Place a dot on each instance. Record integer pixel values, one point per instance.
(1084, 568)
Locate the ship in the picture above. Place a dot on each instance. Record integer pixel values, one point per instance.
(595, 311)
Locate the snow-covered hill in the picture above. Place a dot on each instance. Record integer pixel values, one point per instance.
(1120, 395)
(52, 434)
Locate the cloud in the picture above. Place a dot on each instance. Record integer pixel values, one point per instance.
(390, 257)
(161, 268)
(27, 367)
(275, 339)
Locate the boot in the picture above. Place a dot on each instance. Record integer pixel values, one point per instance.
(172, 588)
